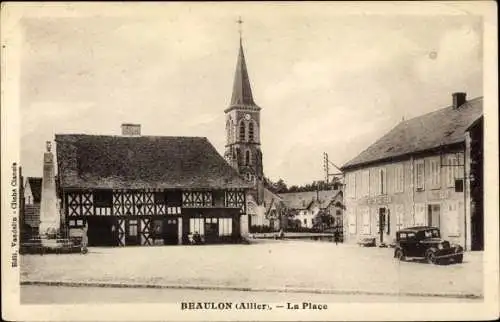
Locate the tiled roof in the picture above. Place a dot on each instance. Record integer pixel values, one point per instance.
(433, 130)
(161, 162)
(36, 188)
(302, 200)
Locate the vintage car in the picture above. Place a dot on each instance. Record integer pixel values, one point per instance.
(425, 242)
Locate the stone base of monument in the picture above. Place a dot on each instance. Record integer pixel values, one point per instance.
(44, 245)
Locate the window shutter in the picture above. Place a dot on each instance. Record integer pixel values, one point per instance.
(366, 220)
(453, 222)
(420, 214)
(377, 220)
(388, 222)
(352, 221)
(399, 210)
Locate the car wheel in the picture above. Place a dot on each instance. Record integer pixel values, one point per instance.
(430, 257)
(399, 255)
(459, 259)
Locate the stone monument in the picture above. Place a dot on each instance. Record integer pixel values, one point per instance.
(49, 213)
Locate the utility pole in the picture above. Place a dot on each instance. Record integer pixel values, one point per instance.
(326, 168)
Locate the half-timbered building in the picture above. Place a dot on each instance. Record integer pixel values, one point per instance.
(147, 190)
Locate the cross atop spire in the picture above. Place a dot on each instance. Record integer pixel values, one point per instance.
(240, 31)
(242, 91)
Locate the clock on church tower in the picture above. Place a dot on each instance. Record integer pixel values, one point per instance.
(243, 151)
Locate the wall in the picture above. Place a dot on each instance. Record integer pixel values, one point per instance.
(405, 204)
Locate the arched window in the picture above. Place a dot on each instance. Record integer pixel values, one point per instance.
(228, 132)
(242, 131)
(250, 132)
(247, 157)
(231, 131)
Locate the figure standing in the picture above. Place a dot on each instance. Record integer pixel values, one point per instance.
(85, 239)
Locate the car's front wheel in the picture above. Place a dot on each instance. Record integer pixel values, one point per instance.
(430, 256)
(399, 254)
(459, 259)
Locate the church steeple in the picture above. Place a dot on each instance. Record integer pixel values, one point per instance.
(243, 127)
(242, 91)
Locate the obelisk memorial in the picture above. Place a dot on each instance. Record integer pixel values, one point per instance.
(49, 214)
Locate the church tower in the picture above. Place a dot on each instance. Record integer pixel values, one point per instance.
(242, 149)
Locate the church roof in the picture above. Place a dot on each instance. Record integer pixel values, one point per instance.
(142, 162)
(433, 130)
(242, 91)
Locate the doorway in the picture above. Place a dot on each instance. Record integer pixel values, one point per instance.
(211, 230)
(170, 231)
(102, 231)
(433, 215)
(382, 221)
(132, 232)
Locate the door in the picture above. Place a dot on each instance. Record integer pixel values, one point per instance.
(211, 230)
(433, 214)
(132, 232)
(381, 223)
(170, 231)
(102, 231)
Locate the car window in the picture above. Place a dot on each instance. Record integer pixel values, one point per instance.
(435, 233)
(411, 235)
(402, 236)
(428, 233)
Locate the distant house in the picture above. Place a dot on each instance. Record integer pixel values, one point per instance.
(32, 198)
(419, 174)
(307, 205)
(148, 190)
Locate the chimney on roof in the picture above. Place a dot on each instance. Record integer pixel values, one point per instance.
(459, 99)
(129, 129)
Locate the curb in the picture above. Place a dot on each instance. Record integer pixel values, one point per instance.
(251, 289)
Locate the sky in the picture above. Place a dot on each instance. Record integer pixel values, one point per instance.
(326, 81)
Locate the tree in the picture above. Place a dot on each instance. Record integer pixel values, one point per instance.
(280, 186)
(323, 220)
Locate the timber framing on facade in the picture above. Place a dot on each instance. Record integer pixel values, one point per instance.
(145, 190)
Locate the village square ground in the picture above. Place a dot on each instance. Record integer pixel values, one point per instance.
(294, 266)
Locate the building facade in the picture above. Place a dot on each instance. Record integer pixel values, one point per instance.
(307, 205)
(147, 190)
(418, 174)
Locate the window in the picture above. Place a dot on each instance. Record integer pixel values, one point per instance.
(365, 183)
(132, 227)
(197, 225)
(247, 157)
(351, 185)
(174, 198)
(225, 226)
(231, 131)
(103, 198)
(453, 170)
(250, 132)
(419, 175)
(228, 131)
(305, 221)
(242, 131)
(382, 189)
(435, 173)
(398, 178)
